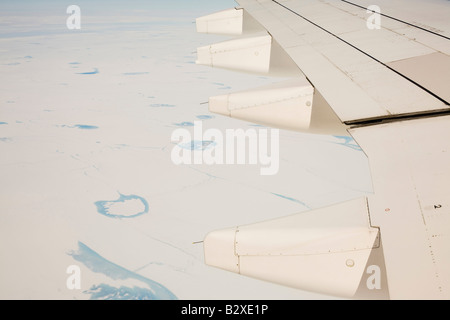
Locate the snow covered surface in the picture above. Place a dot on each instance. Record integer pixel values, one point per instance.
(86, 176)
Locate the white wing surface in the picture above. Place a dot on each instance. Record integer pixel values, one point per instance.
(380, 72)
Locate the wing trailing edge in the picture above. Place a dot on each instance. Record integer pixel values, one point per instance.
(290, 104)
(386, 89)
(326, 250)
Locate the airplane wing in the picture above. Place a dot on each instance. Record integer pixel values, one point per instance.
(380, 72)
